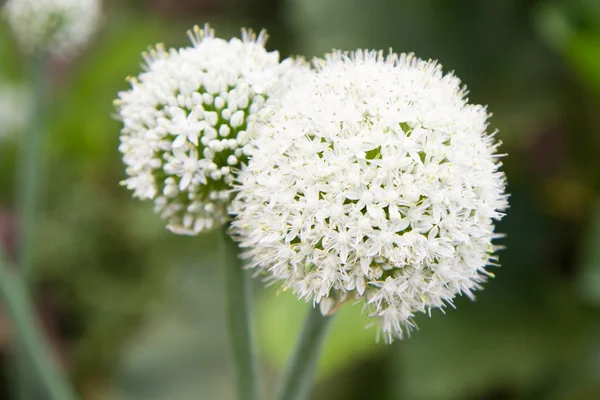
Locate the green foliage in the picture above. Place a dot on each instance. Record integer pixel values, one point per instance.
(140, 310)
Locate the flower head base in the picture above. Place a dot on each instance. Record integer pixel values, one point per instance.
(58, 26)
(187, 119)
(374, 180)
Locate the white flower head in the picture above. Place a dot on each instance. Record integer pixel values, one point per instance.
(374, 180)
(60, 27)
(188, 118)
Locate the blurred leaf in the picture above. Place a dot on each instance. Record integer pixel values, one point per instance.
(553, 25)
(584, 51)
(11, 63)
(572, 28)
(280, 318)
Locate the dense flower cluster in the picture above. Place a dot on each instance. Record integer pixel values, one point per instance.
(373, 180)
(187, 119)
(57, 26)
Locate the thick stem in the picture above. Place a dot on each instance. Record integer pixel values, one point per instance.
(33, 345)
(299, 376)
(238, 299)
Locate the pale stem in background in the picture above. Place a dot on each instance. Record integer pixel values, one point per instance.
(29, 171)
(238, 303)
(33, 344)
(27, 189)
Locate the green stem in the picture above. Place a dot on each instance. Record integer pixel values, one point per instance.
(29, 171)
(27, 182)
(238, 299)
(28, 174)
(33, 343)
(300, 374)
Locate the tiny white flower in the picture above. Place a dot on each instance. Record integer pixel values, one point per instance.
(60, 27)
(373, 179)
(187, 118)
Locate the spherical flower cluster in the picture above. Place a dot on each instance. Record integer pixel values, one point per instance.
(187, 119)
(58, 26)
(374, 180)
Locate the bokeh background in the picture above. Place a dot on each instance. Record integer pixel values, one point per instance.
(136, 313)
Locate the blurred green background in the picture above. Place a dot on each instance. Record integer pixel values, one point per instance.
(136, 312)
